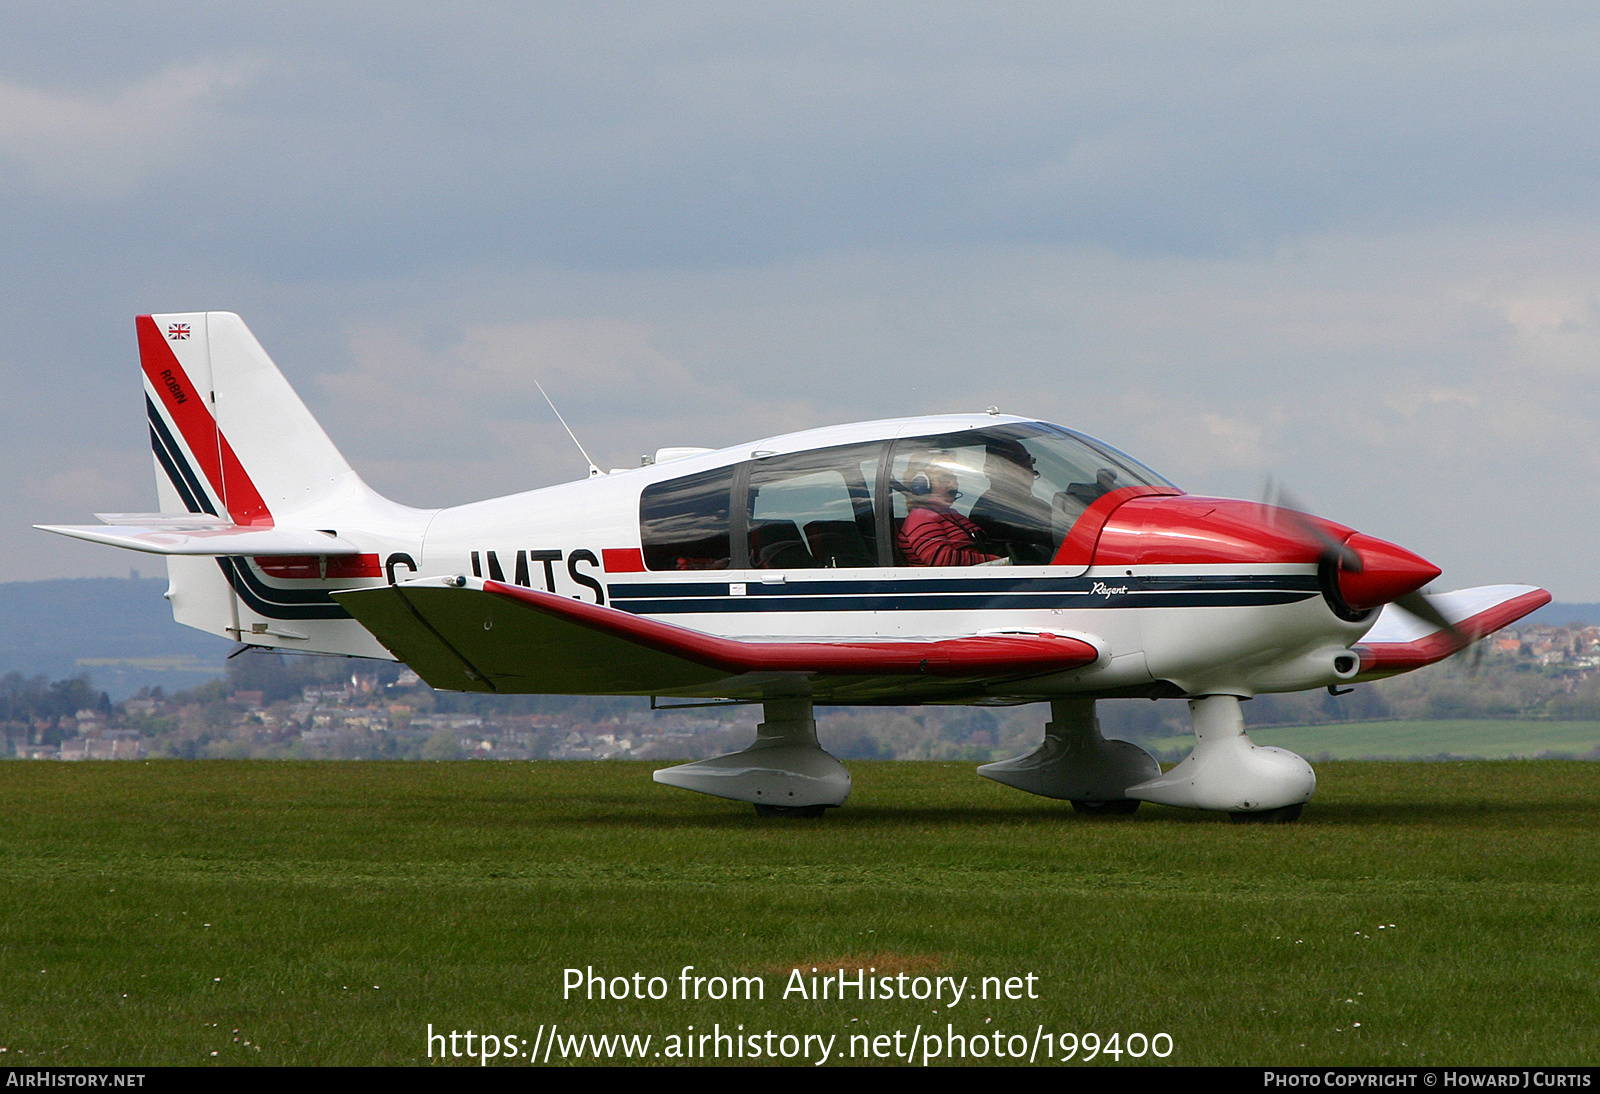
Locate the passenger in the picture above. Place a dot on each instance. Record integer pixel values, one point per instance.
(934, 534)
(1009, 514)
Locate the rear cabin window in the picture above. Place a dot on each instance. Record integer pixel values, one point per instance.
(813, 510)
(684, 523)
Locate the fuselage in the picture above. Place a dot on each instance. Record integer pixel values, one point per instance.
(803, 536)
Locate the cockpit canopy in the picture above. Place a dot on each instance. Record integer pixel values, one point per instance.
(997, 495)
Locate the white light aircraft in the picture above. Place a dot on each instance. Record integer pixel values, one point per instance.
(977, 558)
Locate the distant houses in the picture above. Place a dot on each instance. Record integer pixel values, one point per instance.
(314, 708)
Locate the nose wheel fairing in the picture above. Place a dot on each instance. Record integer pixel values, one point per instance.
(1227, 771)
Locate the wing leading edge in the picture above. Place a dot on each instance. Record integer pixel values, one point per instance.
(1400, 642)
(490, 636)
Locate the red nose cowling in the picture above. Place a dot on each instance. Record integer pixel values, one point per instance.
(1387, 573)
(1154, 531)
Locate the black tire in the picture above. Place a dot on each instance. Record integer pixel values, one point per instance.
(1121, 807)
(790, 810)
(1287, 814)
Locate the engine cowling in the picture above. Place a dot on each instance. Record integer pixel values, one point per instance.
(1186, 530)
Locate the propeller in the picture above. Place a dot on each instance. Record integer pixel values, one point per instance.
(1420, 606)
(1284, 512)
(1479, 648)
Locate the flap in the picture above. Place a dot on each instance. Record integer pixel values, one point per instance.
(466, 639)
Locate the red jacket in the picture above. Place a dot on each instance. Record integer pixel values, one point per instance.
(941, 537)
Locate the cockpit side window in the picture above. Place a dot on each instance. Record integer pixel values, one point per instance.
(684, 523)
(813, 510)
(1006, 495)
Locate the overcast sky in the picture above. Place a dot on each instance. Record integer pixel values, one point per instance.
(1353, 246)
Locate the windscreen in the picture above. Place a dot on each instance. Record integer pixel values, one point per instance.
(1006, 494)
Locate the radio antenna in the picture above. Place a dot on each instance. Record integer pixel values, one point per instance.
(594, 472)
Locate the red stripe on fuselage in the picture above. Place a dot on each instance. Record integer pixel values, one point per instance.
(323, 567)
(187, 408)
(623, 560)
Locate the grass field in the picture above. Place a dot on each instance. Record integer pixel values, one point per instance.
(1475, 738)
(330, 911)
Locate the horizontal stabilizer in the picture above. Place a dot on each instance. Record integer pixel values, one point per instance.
(494, 636)
(177, 522)
(1400, 641)
(200, 535)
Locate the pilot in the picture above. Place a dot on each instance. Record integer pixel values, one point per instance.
(1009, 514)
(934, 534)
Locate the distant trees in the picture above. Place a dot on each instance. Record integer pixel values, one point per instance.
(442, 746)
(27, 699)
(1582, 703)
(280, 676)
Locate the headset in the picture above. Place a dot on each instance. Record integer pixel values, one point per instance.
(921, 484)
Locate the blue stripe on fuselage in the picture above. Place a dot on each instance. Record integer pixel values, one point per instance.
(965, 593)
(260, 597)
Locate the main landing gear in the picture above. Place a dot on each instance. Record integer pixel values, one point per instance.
(1227, 772)
(795, 812)
(784, 772)
(1077, 764)
(1122, 808)
(1287, 814)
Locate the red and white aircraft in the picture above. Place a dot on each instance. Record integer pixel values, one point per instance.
(978, 558)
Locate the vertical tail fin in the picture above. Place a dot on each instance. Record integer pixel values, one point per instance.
(231, 437)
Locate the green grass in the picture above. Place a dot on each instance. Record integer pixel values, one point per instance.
(1464, 737)
(148, 910)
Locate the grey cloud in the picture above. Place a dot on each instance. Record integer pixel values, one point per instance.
(657, 136)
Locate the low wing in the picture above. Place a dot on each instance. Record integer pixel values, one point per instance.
(1400, 642)
(490, 636)
(198, 534)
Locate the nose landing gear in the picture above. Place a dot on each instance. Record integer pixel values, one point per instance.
(1230, 773)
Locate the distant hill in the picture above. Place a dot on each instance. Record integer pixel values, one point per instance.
(1565, 615)
(118, 630)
